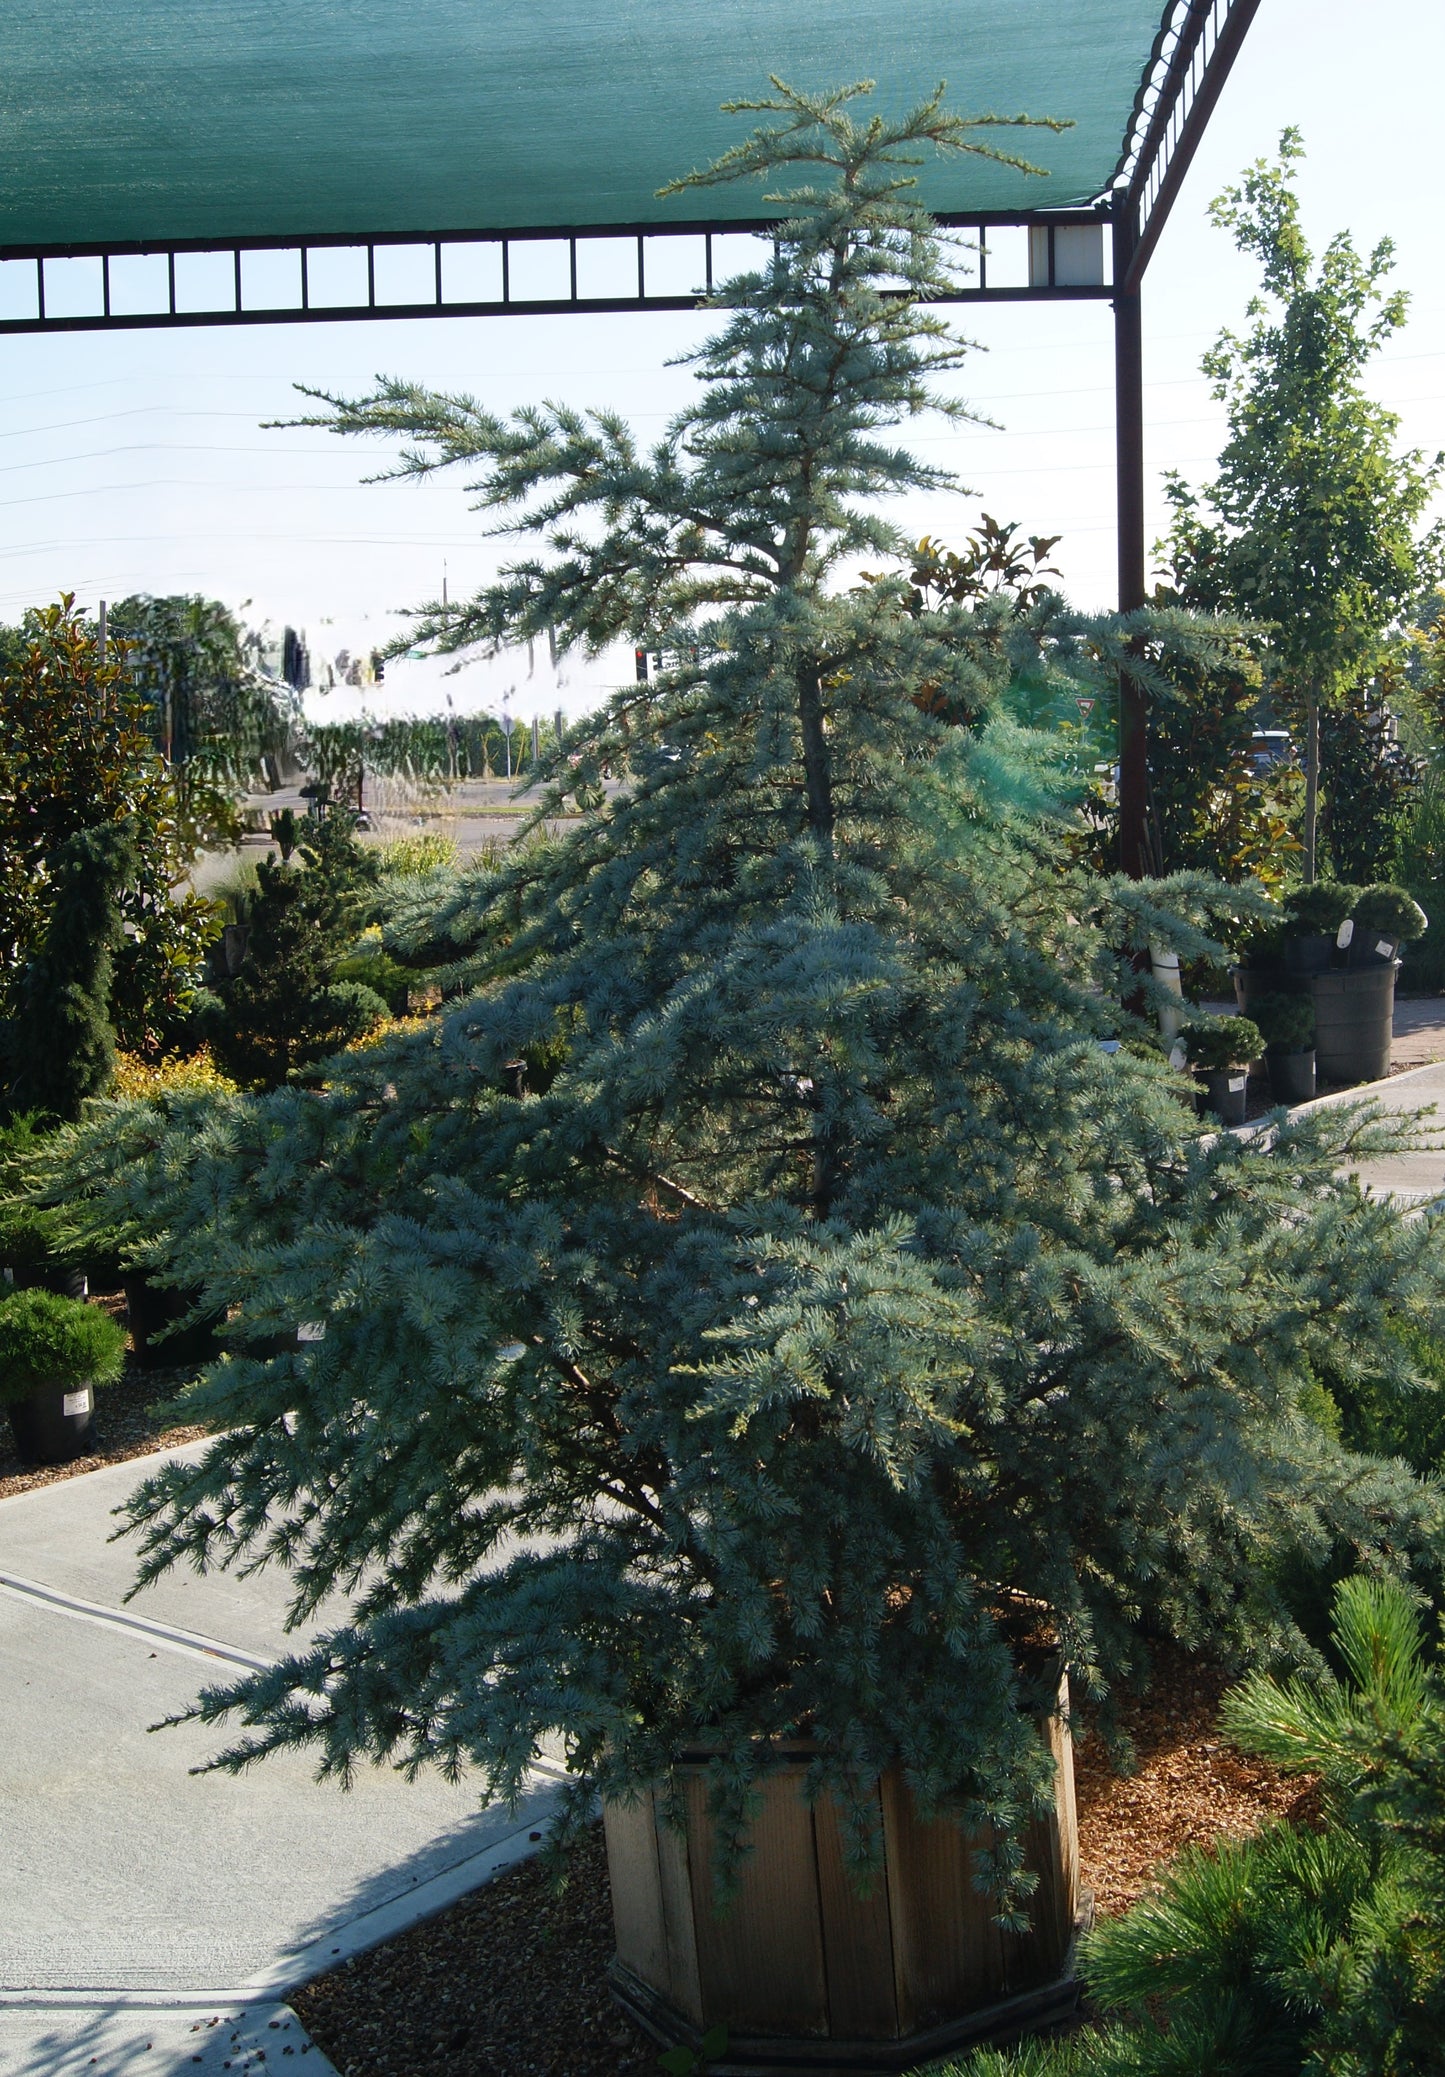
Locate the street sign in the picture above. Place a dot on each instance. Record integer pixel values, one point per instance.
(1085, 707)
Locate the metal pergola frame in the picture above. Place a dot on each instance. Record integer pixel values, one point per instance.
(1193, 54)
(237, 311)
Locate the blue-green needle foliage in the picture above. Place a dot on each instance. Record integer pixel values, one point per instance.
(756, 1303)
(1306, 1951)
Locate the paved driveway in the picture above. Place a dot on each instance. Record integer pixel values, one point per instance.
(139, 1900)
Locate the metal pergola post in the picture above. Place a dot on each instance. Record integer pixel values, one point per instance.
(1129, 496)
(1195, 58)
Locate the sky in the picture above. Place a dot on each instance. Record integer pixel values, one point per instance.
(140, 461)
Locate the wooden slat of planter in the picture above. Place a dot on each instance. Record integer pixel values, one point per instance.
(632, 1870)
(857, 1941)
(761, 1962)
(947, 1951)
(675, 1890)
(1051, 1851)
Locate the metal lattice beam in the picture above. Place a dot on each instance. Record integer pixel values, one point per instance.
(628, 290)
(1197, 54)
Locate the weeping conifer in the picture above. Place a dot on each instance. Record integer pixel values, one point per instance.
(757, 1302)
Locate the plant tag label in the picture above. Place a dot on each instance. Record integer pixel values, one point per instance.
(1236, 1083)
(76, 1402)
(1384, 948)
(1345, 932)
(311, 1330)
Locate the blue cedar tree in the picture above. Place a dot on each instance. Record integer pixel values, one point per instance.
(756, 1303)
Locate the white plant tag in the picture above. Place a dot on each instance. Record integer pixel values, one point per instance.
(311, 1330)
(1178, 1056)
(1384, 949)
(76, 1402)
(1345, 932)
(1236, 1083)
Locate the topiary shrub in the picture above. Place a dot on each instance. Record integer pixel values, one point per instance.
(1391, 912)
(1214, 1044)
(49, 1340)
(1320, 909)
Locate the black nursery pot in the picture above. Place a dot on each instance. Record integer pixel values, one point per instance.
(1309, 955)
(52, 1425)
(48, 1276)
(153, 1308)
(1226, 1093)
(1372, 948)
(1291, 1075)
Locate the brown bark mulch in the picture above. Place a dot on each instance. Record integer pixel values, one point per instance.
(510, 1982)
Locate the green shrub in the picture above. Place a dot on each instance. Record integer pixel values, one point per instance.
(1318, 911)
(1309, 1948)
(31, 1235)
(374, 968)
(1391, 911)
(49, 1340)
(1286, 1022)
(1216, 1043)
(406, 858)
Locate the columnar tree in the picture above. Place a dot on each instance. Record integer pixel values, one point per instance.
(757, 1305)
(1311, 524)
(75, 755)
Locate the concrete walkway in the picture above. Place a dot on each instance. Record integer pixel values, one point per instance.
(1408, 1178)
(151, 1919)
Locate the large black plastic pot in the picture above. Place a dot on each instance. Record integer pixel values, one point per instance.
(1354, 1020)
(1291, 1075)
(1309, 955)
(1253, 982)
(155, 1307)
(52, 1425)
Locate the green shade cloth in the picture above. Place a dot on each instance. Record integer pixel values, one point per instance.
(155, 121)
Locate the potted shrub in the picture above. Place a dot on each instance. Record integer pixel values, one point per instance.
(1220, 1049)
(1315, 916)
(1287, 1026)
(54, 1352)
(1355, 1009)
(751, 1406)
(38, 1243)
(1385, 917)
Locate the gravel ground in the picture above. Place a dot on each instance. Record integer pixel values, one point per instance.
(510, 1982)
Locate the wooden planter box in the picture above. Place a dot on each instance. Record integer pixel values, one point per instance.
(803, 1972)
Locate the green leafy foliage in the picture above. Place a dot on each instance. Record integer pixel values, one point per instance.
(1311, 524)
(756, 1297)
(1216, 1043)
(1286, 1022)
(32, 1235)
(211, 712)
(49, 1340)
(291, 1005)
(1372, 784)
(58, 1047)
(1210, 808)
(74, 756)
(1302, 1949)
